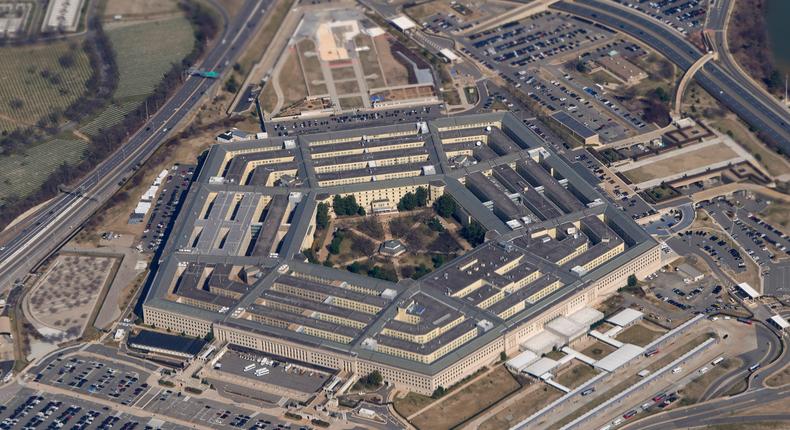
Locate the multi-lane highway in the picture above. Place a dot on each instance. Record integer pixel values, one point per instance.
(759, 110)
(56, 221)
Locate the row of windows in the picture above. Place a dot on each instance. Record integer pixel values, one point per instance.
(364, 164)
(425, 337)
(367, 149)
(470, 364)
(615, 279)
(175, 322)
(382, 136)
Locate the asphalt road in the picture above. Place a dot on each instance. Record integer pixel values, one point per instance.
(736, 92)
(713, 412)
(65, 213)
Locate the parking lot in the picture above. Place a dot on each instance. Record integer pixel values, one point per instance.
(718, 247)
(538, 38)
(705, 296)
(632, 204)
(30, 409)
(514, 50)
(106, 380)
(343, 122)
(600, 105)
(766, 244)
(684, 16)
(555, 95)
(260, 368)
(206, 412)
(173, 191)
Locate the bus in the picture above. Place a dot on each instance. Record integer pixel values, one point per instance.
(745, 321)
(754, 367)
(717, 361)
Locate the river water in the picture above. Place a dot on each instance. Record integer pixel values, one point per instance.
(778, 18)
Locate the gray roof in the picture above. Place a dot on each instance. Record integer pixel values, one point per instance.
(554, 199)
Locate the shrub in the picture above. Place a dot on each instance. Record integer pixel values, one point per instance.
(322, 216)
(445, 206)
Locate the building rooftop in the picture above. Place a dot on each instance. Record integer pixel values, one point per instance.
(155, 340)
(572, 124)
(234, 257)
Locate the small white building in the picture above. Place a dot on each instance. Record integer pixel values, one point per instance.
(236, 135)
(690, 274)
(403, 23)
(747, 289)
(779, 322)
(618, 358)
(449, 55)
(541, 367)
(626, 317)
(566, 329)
(521, 361)
(542, 343)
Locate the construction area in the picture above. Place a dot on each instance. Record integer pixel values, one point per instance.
(337, 61)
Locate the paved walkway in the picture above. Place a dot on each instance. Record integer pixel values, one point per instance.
(687, 77)
(731, 188)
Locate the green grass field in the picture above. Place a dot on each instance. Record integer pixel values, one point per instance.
(33, 82)
(144, 52)
(23, 174)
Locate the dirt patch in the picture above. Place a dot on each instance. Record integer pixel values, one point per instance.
(777, 214)
(534, 398)
(598, 350)
(773, 162)
(779, 378)
(639, 334)
(369, 60)
(342, 73)
(411, 403)
(293, 87)
(347, 87)
(395, 73)
(468, 401)
(311, 67)
(351, 103)
(575, 375)
(681, 163)
(694, 390)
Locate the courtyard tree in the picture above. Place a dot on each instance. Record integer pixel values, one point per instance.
(322, 216)
(445, 206)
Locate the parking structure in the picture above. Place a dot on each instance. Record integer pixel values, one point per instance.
(110, 381)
